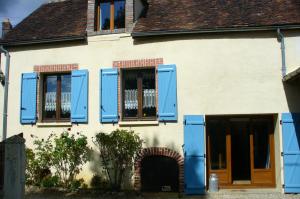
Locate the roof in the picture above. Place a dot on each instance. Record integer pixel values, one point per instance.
(52, 21)
(204, 15)
(292, 75)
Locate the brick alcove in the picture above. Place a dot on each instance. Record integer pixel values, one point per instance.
(158, 151)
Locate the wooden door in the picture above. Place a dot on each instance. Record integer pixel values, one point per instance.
(262, 153)
(219, 151)
(260, 148)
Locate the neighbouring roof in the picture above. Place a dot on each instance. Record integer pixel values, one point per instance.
(203, 15)
(292, 75)
(51, 22)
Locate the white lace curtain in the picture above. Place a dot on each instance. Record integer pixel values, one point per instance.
(50, 102)
(149, 98)
(131, 99)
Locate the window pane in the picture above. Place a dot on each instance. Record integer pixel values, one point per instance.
(104, 15)
(217, 136)
(149, 93)
(119, 14)
(130, 94)
(65, 96)
(261, 145)
(50, 97)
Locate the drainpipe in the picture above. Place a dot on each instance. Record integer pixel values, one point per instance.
(6, 78)
(280, 38)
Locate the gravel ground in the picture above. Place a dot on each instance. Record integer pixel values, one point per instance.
(131, 195)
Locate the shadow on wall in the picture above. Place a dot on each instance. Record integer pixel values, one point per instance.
(45, 46)
(292, 93)
(206, 36)
(97, 168)
(215, 35)
(155, 142)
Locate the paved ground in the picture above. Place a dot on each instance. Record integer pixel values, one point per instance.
(226, 195)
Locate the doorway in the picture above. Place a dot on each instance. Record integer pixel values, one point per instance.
(159, 173)
(240, 150)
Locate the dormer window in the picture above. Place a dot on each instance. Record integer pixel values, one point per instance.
(109, 15)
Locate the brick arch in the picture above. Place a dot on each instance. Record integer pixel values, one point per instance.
(158, 151)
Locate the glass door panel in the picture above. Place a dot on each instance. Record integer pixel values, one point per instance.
(262, 152)
(218, 142)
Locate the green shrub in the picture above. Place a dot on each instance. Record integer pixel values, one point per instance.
(117, 152)
(97, 182)
(69, 154)
(76, 184)
(35, 169)
(50, 181)
(65, 154)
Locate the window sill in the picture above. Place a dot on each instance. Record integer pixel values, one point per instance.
(139, 123)
(106, 32)
(54, 124)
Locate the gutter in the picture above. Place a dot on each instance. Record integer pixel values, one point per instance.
(212, 30)
(6, 82)
(280, 38)
(41, 41)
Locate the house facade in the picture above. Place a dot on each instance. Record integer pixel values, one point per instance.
(212, 87)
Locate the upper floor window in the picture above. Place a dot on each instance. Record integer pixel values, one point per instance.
(57, 97)
(109, 15)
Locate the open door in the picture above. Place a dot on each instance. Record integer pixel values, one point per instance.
(262, 152)
(219, 150)
(240, 150)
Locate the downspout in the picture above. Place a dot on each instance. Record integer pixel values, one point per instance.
(280, 38)
(6, 81)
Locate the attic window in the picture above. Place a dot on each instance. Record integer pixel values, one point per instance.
(109, 15)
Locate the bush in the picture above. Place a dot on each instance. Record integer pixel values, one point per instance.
(76, 184)
(117, 152)
(65, 154)
(35, 169)
(68, 156)
(98, 182)
(50, 181)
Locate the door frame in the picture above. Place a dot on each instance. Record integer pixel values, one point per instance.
(256, 174)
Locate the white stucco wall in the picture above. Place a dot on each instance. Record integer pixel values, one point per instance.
(292, 51)
(238, 73)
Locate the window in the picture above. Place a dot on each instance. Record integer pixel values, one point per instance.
(109, 15)
(57, 97)
(139, 94)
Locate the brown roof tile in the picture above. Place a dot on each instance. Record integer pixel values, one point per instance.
(57, 20)
(189, 15)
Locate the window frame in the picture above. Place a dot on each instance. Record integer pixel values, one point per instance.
(97, 14)
(58, 98)
(140, 96)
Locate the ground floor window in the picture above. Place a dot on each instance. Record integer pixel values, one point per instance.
(57, 97)
(139, 94)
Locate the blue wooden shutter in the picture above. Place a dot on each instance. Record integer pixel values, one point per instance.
(79, 99)
(109, 95)
(28, 98)
(167, 93)
(291, 152)
(194, 154)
